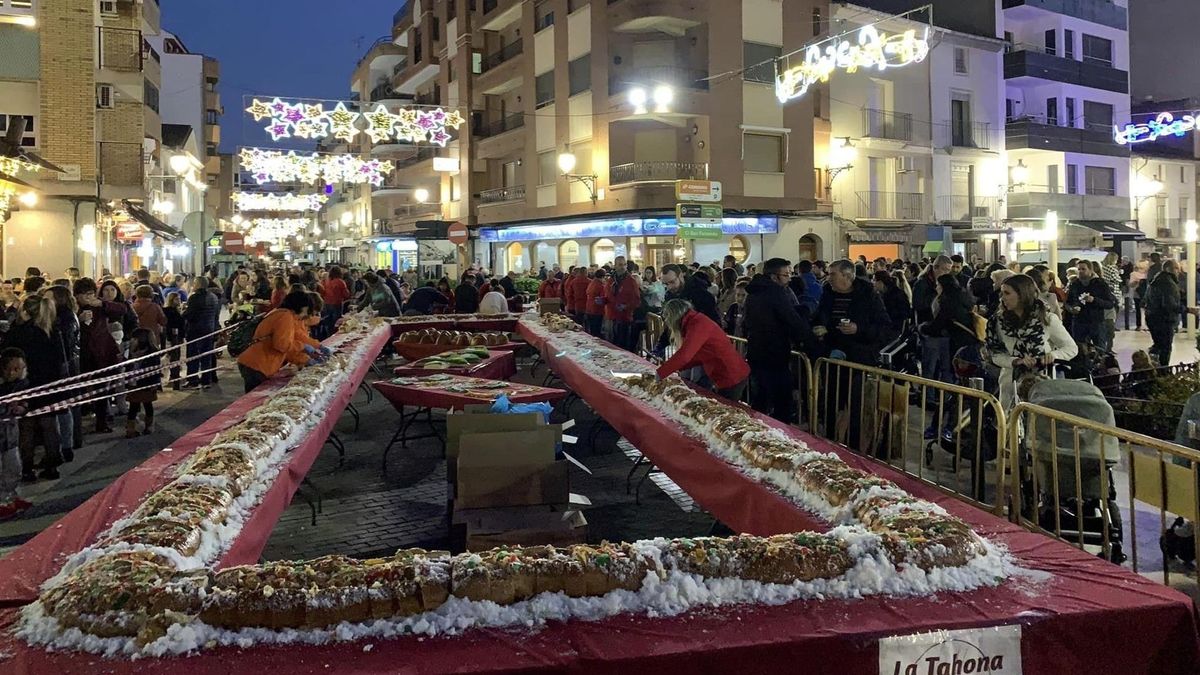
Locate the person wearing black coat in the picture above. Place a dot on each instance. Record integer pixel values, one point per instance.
(200, 318)
(466, 295)
(895, 301)
(694, 289)
(1162, 310)
(70, 422)
(773, 326)
(37, 336)
(952, 316)
(1088, 298)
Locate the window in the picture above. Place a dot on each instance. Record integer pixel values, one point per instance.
(961, 61)
(435, 30)
(816, 20)
(1183, 209)
(1181, 174)
(451, 11)
(759, 62)
(568, 254)
(1100, 180)
(1097, 50)
(575, 5)
(1010, 109)
(150, 93)
(210, 84)
(1072, 179)
(763, 152)
(1051, 42)
(580, 74)
(212, 150)
(818, 183)
(544, 89)
(1052, 111)
(1052, 178)
(212, 117)
(1160, 210)
(1069, 118)
(960, 124)
(1098, 116)
(29, 139)
(739, 248)
(1069, 43)
(547, 168)
(543, 16)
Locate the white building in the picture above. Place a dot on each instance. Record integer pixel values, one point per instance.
(927, 140)
(1067, 81)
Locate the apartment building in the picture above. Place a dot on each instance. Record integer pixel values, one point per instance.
(1067, 82)
(87, 82)
(916, 158)
(581, 117)
(1163, 185)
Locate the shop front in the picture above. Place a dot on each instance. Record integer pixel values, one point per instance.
(646, 241)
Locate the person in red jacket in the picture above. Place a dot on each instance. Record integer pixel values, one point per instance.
(700, 341)
(552, 287)
(576, 293)
(624, 297)
(596, 297)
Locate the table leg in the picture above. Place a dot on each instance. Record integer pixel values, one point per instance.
(341, 447)
(537, 360)
(637, 494)
(312, 507)
(320, 497)
(370, 392)
(629, 479)
(353, 411)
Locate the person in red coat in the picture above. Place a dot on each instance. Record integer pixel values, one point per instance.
(595, 298)
(576, 294)
(552, 287)
(624, 297)
(700, 341)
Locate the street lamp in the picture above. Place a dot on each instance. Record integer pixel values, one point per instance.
(347, 218)
(180, 164)
(841, 158)
(566, 164)
(1018, 175)
(421, 195)
(663, 95)
(165, 207)
(28, 199)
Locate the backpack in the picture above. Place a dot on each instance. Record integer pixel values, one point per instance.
(978, 327)
(242, 336)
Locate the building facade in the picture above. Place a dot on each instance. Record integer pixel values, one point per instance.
(82, 73)
(637, 94)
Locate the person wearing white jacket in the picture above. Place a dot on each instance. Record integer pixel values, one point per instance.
(1023, 337)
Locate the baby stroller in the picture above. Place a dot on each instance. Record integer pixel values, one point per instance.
(973, 436)
(1079, 516)
(903, 354)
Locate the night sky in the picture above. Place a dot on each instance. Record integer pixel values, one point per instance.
(297, 48)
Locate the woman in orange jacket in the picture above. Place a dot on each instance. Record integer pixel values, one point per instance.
(282, 337)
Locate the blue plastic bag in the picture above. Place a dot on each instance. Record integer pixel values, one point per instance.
(503, 406)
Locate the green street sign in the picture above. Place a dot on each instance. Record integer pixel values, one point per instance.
(699, 231)
(711, 214)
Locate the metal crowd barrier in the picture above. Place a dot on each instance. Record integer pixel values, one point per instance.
(802, 370)
(885, 414)
(1063, 486)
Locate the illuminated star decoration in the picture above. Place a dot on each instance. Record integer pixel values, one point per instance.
(273, 166)
(380, 123)
(303, 120)
(265, 201)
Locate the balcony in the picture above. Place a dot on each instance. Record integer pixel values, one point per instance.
(505, 53)
(498, 14)
(509, 123)
(412, 211)
(964, 208)
(422, 154)
(1169, 230)
(656, 172)
(977, 135)
(1033, 201)
(673, 17)
(907, 206)
(1033, 62)
(1035, 133)
(383, 48)
(151, 16)
(515, 193)
(120, 49)
(892, 126)
(676, 76)
(1103, 12)
(391, 186)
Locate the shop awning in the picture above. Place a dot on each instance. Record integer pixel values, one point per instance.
(1110, 229)
(150, 222)
(881, 235)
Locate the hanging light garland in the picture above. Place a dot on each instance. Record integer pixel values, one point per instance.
(11, 165)
(308, 121)
(275, 229)
(265, 201)
(273, 166)
(7, 193)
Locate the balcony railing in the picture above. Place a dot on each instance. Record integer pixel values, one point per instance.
(505, 53)
(383, 91)
(489, 129)
(385, 40)
(649, 77)
(965, 135)
(120, 49)
(962, 208)
(400, 65)
(643, 172)
(413, 210)
(515, 193)
(891, 205)
(1170, 228)
(886, 124)
(422, 155)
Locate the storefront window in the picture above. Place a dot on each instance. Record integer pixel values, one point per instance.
(514, 257)
(604, 251)
(568, 254)
(739, 248)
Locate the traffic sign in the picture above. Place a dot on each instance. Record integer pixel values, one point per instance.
(711, 214)
(698, 190)
(457, 234)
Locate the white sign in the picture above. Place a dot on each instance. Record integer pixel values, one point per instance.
(698, 190)
(447, 164)
(996, 651)
(981, 223)
(873, 50)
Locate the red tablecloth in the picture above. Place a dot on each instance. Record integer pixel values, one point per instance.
(499, 365)
(400, 395)
(25, 569)
(414, 351)
(507, 324)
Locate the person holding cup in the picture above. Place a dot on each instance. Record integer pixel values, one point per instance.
(97, 348)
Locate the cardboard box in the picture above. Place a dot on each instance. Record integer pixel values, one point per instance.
(552, 529)
(510, 468)
(550, 306)
(472, 421)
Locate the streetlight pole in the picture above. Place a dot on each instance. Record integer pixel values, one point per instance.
(1050, 230)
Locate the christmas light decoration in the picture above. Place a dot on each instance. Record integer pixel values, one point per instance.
(1164, 124)
(308, 121)
(873, 50)
(260, 201)
(11, 165)
(272, 229)
(273, 166)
